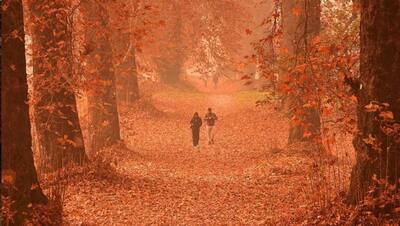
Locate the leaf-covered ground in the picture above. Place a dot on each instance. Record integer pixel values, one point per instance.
(247, 177)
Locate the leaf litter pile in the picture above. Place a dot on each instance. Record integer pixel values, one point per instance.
(247, 177)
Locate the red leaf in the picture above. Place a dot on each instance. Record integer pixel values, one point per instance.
(248, 31)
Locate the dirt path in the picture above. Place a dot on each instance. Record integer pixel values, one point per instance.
(245, 178)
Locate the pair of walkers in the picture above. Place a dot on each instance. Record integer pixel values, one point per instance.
(196, 123)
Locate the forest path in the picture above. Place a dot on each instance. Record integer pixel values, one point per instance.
(245, 178)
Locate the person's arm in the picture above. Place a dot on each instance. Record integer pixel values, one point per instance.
(200, 122)
(215, 117)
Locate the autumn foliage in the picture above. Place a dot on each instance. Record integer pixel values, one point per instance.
(97, 97)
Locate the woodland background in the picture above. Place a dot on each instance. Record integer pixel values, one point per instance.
(96, 97)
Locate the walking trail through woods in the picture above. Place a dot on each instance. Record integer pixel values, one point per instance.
(247, 177)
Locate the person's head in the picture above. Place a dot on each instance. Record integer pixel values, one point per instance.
(209, 110)
(196, 114)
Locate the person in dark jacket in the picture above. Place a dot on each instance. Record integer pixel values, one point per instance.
(195, 124)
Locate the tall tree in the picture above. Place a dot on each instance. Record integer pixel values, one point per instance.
(55, 111)
(103, 117)
(301, 23)
(214, 36)
(378, 149)
(170, 63)
(123, 41)
(19, 179)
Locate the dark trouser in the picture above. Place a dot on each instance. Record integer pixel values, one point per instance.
(195, 136)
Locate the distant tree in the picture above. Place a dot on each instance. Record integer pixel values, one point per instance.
(300, 24)
(19, 179)
(377, 143)
(216, 36)
(55, 110)
(171, 58)
(123, 36)
(103, 119)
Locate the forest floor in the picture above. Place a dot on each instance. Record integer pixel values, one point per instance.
(248, 177)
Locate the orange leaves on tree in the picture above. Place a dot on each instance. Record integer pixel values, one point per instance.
(13, 67)
(373, 142)
(8, 177)
(65, 140)
(245, 77)
(297, 11)
(325, 50)
(285, 88)
(316, 41)
(308, 105)
(372, 107)
(105, 123)
(331, 139)
(248, 31)
(354, 98)
(327, 110)
(34, 186)
(307, 134)
(300, 68)
(386, 115)
(356, 7)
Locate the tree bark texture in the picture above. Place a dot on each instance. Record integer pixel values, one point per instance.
(380, 79)
(301, 23)
(19, 178)
(103, 119)
(124, 51)
(55, 111)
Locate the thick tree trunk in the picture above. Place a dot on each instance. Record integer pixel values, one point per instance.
(103, 129)
(55, 112)
(380, 70)
(123, 45)
(301, 23)
(19, 179)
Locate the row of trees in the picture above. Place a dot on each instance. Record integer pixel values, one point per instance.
(55, 50)
(84, 49)
(74, 48)
(197, 35)
(313, 71)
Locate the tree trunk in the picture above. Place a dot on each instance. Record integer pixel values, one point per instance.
(126, 75)
(380, 70)
(123, 45)
(19, 179)
(170, 65)
(55, 111)
(103, 129)
(301, 23)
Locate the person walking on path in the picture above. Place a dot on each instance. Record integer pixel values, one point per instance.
(210, 119)
(195, 124)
